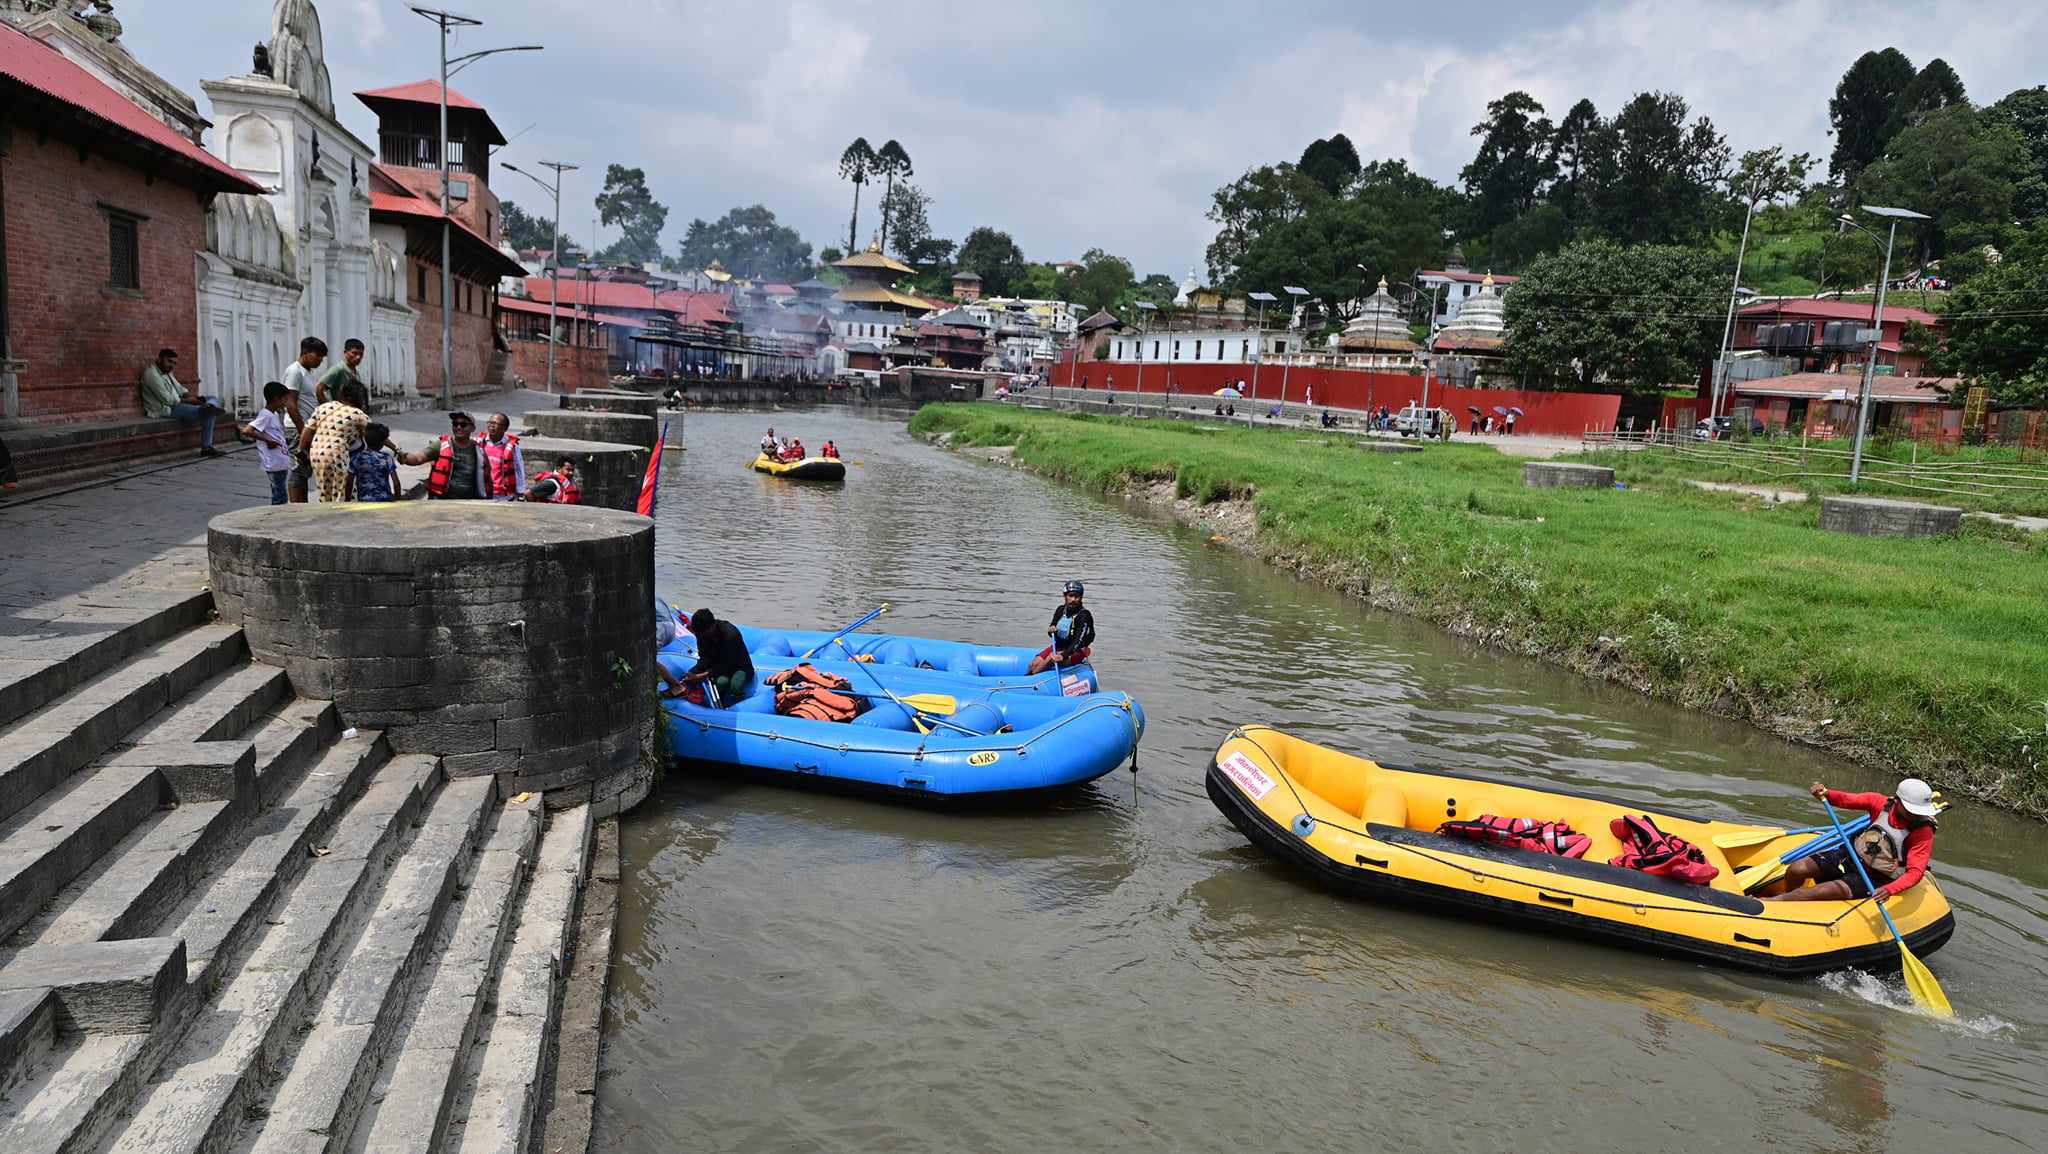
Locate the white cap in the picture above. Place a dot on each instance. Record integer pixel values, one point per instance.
(1918, 798)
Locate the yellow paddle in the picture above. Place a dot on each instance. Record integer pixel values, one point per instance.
(1919, 979)
(1743, 838)
(936, 704)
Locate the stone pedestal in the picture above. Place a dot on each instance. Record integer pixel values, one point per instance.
(592, 401)
(515, 640)
(1557, 475)
(576, 425)
(609, 474)
(1388, 446)
(1883, 517)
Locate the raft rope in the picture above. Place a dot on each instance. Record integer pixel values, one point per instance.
(843, 747)
(1241, 734)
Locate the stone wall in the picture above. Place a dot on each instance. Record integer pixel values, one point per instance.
(617, 428)
(514, 639)
(609, 475)
(1882, 517)
(575, 368)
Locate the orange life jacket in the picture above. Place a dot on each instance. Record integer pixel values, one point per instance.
(444, 465)
(503, 480)
(567, 491)
(805, 691)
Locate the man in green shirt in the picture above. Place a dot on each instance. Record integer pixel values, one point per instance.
(344, 371)
(163, 396)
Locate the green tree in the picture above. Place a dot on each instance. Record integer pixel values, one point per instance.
(1860, 113)
(1595, 312)
(1243, 210)
(1568, 148)
(831, 255)
(1997, 332)
(749, 243)
(626, 203)
(856, 164)
(894, 164)
(2025, 111)
(1932, 89)
(1331, 163)
(1959, 167)
(1514, 161)
(1391, 223)
(524, 230)
(1038, 282)
(1651, 179)
(1102, 281)
(991, 255)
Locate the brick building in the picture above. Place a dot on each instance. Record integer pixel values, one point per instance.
(102, 210)
(405, 211)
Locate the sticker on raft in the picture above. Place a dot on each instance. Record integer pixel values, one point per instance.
(983, 757)
(1249, 778)
(1073, 685)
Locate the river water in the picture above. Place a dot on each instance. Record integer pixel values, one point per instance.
(1121, 970)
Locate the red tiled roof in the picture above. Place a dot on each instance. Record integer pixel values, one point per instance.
(402, 201)
(522, 305)
(1813, 386)
(34, 64)
(428, 92)
(691, 308)
(1806, 308)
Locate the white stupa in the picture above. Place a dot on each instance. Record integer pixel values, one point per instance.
(1379, 327)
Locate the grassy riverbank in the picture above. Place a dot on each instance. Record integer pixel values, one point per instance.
(1989, 478)
(1923, 655)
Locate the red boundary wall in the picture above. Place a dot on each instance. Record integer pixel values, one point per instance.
(1543, 411)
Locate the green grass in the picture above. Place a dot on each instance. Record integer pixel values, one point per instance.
(1989, 478)
(1925, 655)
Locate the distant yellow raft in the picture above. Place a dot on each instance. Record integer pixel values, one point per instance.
(808, 469)
(1368, 830)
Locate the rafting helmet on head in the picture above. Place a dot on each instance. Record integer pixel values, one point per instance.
(1073, 587)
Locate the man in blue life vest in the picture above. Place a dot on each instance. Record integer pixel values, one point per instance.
(1072, 632)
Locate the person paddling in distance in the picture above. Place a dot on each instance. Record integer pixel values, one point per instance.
(1072, 632)
(1895, 847)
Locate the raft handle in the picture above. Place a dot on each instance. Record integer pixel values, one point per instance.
(917, 783)
(800, 767)
(1764, 942)
(1553, 900)
(1377, 863)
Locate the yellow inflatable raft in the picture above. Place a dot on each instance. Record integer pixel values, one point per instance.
(808, 469)
(1369, 830)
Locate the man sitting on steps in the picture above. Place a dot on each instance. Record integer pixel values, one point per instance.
(163, 397)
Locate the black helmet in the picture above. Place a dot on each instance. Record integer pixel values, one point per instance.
(1074, 587)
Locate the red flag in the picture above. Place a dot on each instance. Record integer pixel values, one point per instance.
(645, 506)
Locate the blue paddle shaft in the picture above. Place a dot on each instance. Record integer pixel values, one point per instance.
(877, 612)
(1826, 841)
(1863, 873)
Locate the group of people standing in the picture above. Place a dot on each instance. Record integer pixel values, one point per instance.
(315, 439)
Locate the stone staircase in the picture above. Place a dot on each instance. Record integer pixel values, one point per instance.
(228, 924)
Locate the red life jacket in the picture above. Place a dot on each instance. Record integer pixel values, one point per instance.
(567, 491)
(1523, 833)
(804, 691)
(444, 464)
(503, 480)
(1661, 854)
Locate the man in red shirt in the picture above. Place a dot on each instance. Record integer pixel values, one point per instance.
(1895, 848)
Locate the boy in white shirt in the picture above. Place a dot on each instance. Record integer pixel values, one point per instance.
(298, 377)
(268, 432)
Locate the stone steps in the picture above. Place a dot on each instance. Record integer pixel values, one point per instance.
(408, 1107)
(223, 708)
(504, 1101)
(157, 866)
(61, 834)
(28, 1031)
(63, 736)
(205, 1088)
(319, 1100)
(70, 644)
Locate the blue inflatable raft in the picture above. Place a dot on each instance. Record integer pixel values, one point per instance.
(1009, 735)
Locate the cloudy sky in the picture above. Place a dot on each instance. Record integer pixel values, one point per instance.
(1075, 125)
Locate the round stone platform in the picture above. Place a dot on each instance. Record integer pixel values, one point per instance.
(594, 401)
(1883, 517)
(609, 474)
(1555, 475)
(576, 425)
(516, 640)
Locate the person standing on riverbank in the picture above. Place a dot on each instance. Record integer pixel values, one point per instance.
(1895, 847)
(1072, 632)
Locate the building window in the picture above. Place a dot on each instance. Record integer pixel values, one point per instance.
(1155, 350)
(1244, 350)
(1219, 348)
(421, 270)
(1198, 350)
(124, 251)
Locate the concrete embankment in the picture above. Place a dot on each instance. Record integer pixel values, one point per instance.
(234, 915)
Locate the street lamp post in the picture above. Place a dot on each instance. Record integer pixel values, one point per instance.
(1734, 291)
(1145, 308)
(554, 253)
(446, 20)
(1895, 215)
(1294, 295)
(1259, 353)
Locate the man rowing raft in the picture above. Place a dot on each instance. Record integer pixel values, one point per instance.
(1895, 847)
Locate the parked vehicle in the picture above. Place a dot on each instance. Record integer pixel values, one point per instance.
(1721, 428)
(1413, 421)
